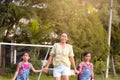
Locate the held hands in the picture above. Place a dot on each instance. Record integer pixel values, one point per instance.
(40, 70)
(76, 71)
(45, 69)
(13, 79)
(92, 79)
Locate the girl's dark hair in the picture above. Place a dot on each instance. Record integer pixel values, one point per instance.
(84, 54)
(26, 52)
(23, 55)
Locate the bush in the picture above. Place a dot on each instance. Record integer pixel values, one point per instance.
(37, 64)
(117, 63)
(99, 67)
(12, 68)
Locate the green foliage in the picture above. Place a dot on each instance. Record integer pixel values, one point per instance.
(46, 77)
(34, 59)
(34, 26)
(99, 67)
(115, 40)
(12, 69)
(117, 63)
(87, 31)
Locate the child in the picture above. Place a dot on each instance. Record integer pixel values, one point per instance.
(23, 68)
(86, 68)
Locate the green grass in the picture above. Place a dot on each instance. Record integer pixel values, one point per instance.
(49, 77)
(111, 77)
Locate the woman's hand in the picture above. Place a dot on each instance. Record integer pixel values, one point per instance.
(45, 69)
(76, 71)
(13, 79)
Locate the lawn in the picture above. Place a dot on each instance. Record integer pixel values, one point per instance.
(49, 77)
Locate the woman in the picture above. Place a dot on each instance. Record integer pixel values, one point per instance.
(62, 56)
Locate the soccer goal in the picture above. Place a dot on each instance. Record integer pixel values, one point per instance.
(13, 50)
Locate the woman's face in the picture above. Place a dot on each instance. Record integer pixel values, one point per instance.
(88, 57)
(26, 57)
(64, 38)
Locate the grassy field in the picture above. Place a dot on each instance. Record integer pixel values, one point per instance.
(49, 77)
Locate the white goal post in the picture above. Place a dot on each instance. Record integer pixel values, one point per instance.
(16, 44)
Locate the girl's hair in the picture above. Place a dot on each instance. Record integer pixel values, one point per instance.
(23, 55)
(84, 54)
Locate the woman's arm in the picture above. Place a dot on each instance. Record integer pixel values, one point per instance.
(73, 63)
(48, 63)
(80, 68)
(16, 73)
(34, 70)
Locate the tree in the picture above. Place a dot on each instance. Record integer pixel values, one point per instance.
(71, 17)
(87, 25)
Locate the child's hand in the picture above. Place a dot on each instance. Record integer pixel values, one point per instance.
(45, 69)
(92, 79)
(76, 71)
(13, 79)
(40, 70)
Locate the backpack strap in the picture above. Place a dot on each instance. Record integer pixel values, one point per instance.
(29, 65)
(82, 65)
(91, 66)
(21, 65)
